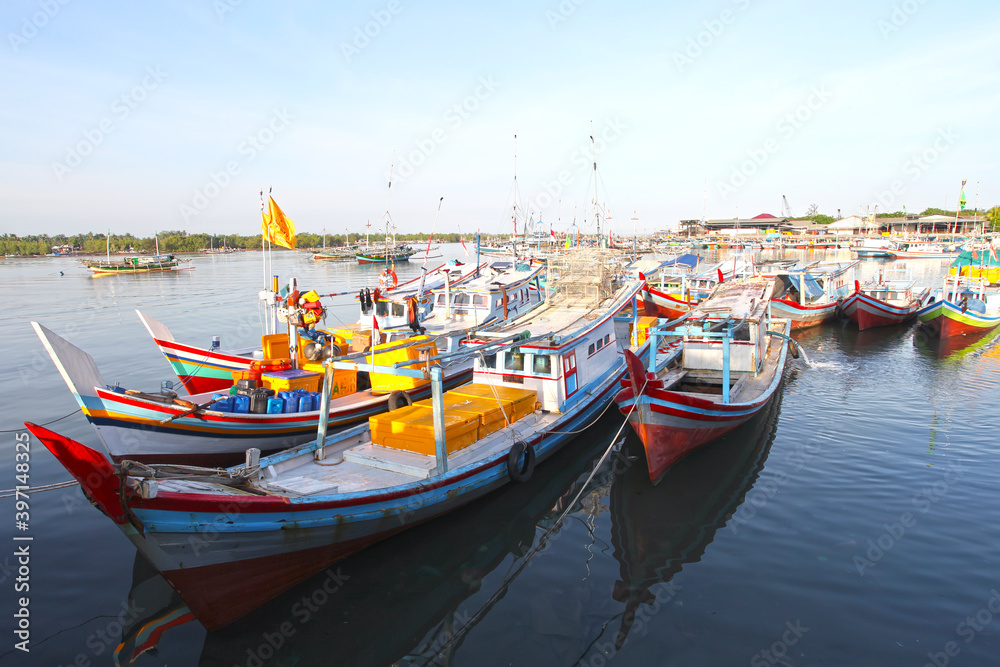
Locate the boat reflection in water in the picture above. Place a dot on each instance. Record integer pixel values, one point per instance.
(397, 598)
(401, 600)
(953, 347)
(656, 530)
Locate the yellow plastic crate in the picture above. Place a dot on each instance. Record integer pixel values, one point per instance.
(275, 346)
(344, 381)
(290, 380)
(488, 412)
(518, 403)
(412, 429)
(389, 382)
(645, 322)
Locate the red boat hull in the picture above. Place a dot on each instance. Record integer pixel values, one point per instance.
(659, 304)
(868, 312)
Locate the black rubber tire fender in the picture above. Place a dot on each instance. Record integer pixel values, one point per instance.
(399, 399)
(516, 472)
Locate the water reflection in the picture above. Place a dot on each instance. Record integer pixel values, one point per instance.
(657, 530)
(953, 348)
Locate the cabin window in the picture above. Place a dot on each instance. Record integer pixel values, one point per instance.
(490, 361)
(398, 310)
(600, 343)
(514, 361)
(590, 349)
(499, 303)
(441, 299)
(462, 299)
(382, 308)
(541, 364)
(607, 339)
(479, 300)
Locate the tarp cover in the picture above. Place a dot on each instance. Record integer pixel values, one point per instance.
(813, 290)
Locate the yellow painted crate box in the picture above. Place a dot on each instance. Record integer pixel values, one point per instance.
(344, 381)
(488, 412)
(389, 382)
(290, 380)
(645, 322)
(412, 429)
(518, 402)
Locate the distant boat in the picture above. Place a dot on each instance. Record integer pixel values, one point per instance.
(810, 295)
(386, 255)
(923, 251)
(135, 264)
(874, 248)
(960, 307)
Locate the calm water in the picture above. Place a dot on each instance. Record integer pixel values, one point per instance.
(856, 522)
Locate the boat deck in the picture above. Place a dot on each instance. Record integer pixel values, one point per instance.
(358, 465)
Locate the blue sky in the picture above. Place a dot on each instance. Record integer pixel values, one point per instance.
(173, 115)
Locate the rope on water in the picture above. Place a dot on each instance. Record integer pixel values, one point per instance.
(10, 493)
(18, 430)
(502, 590)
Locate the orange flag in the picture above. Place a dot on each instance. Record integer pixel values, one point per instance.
(277, 227)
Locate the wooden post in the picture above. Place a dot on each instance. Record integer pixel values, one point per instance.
(324, 407)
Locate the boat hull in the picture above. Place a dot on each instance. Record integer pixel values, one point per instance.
(868, 312)
(802, 316)
(654, 302)
(946, 320)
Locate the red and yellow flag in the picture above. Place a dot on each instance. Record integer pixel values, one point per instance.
(277, 227)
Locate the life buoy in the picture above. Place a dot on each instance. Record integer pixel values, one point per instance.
(388, 280)
(515, 470)
(399, 399)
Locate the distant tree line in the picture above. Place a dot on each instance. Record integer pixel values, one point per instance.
(181, 241)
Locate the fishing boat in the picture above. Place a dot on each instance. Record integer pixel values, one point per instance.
(886, 300)
(871, 248)
(229, 540)
(960, 307)
(214, 429)
(731, 365)
(135, 264)
(201, 369)
(670, 297)
(384, 255)
(979, 263)
(923, 251)
(810, 295)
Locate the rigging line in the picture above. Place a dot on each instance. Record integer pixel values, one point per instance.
(502, 590)
(18, 430)
(10, 493)
(74, 627)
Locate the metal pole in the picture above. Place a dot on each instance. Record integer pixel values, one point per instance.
(477, 254)
(652, 348)
(437, 405)
(725, 365)
(324, 406)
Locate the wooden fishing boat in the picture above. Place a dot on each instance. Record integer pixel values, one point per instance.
(387, 255)
(201, 429)
(810, 295)
(871, 248)
(982, 264)
(202, 369)
(229, 540)
(884, 301)
(923, 251)
(732, 364)
(135, 264)
(959, 308)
